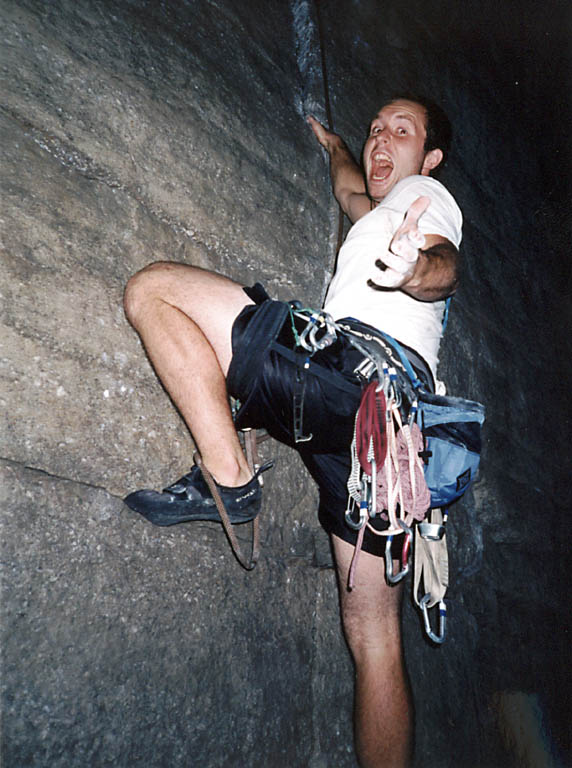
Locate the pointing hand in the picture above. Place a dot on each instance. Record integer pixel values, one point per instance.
(398, 264)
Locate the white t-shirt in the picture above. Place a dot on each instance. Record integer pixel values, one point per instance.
(418, 324)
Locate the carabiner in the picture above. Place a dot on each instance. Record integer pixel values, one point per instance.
(394, 386)
(310, 323)
(386, 380)
(315, 324)
(402, 524)
(389, 575)
(442, 619)
(412, 412)
(328, 337)
(408, 539)
(363, 506)
(373, 489)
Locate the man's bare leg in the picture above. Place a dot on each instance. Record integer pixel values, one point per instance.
(184, 316)
(371, 616)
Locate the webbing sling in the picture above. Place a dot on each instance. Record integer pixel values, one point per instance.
(250, 447)
(431, 565)
(415, 380)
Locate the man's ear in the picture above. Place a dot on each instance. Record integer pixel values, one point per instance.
(431, 161)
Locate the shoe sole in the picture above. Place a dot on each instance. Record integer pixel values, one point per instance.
(165, 518)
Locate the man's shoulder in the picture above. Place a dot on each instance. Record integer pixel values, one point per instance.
(418, 185)
(443, 217)
(409, 189)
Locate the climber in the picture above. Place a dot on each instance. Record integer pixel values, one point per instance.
(209, 337)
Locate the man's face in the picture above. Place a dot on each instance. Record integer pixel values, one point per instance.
(394, 147)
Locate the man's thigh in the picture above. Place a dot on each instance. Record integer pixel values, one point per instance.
(210, 300)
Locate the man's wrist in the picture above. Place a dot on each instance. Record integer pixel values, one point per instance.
(337, 146)
(435, 275)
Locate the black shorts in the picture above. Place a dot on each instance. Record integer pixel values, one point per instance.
(263, 376)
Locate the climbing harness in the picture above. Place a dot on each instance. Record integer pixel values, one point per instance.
(413, 454)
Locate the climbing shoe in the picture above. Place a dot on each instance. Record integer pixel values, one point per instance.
(190, 499)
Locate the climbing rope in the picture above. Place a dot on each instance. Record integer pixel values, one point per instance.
(328, 109)
(393, 487)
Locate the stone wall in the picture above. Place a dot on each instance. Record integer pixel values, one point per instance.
(137, 130)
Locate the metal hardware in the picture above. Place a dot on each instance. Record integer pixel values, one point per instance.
(442, 619)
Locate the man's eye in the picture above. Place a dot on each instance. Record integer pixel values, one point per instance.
(402, 131)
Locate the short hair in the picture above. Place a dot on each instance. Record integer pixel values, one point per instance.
(437, 124)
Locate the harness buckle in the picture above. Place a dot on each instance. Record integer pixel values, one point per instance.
(442, 619)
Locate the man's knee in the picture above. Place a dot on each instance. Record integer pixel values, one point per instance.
(371, 611)
(371, 628)
(144, 286)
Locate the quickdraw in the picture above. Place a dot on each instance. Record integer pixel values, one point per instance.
(432, 568)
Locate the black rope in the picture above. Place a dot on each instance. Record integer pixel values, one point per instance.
(328, 109)
(324, 67)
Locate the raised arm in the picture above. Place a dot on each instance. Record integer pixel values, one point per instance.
(423, 266)
(348, 183)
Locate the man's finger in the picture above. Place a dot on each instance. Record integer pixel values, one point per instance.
(404, 248)
(398, 262)
(416, 238)
(415, 211)
(387, 279)
(317, 128)
(408, 239)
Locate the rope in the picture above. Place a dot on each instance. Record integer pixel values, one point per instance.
(324, 68)
(328, 110)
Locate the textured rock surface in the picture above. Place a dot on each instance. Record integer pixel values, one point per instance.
(138, 647)
(133, 131)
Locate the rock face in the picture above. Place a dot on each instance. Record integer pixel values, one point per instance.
(136, 131)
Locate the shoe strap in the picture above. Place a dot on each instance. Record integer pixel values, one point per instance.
(252, 457)
(180, 486)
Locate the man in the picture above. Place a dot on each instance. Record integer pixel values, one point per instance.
(202, 331)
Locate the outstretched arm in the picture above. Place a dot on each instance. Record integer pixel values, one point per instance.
(347, 179)
(423, 266)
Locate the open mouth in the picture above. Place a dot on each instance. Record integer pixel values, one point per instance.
(381, 166)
